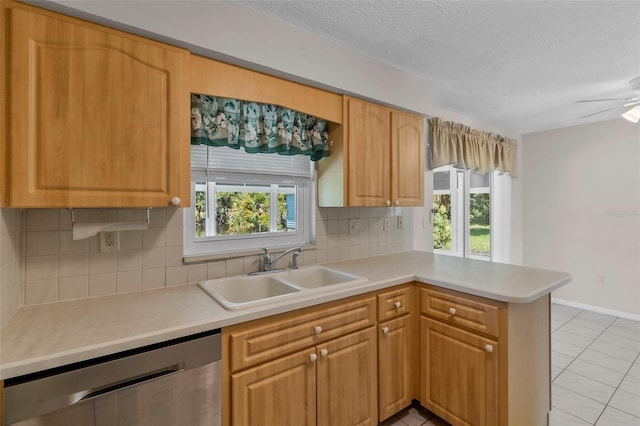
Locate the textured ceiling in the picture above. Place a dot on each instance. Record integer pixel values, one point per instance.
(518, 65)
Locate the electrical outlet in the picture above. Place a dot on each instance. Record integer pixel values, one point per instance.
(386, 223)
(109, 241)
(354, 226)
(399, 222)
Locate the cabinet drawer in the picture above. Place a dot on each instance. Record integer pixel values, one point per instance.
(394, 303)
(267, 339)
(462, 311)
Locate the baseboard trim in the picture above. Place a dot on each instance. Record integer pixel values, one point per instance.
(597, 309)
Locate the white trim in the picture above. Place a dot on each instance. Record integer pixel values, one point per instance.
(596, 309)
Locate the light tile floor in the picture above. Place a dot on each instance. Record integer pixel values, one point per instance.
(595, 367)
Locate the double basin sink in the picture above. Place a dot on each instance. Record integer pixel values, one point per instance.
(243, 291)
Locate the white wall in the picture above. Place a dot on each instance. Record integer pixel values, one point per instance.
(581, 200)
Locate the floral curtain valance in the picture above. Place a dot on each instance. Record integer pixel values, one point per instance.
(256, 127)
(465, 148)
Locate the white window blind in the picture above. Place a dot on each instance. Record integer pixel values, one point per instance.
(207, 160)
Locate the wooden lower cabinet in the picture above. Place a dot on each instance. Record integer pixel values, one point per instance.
(333, 383)
(459, 378)
(347, 380)
(470, 360)
(395, 365)
(484, 362)
(281, 392)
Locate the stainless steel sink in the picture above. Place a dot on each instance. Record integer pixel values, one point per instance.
(245, 291)
(314, 277)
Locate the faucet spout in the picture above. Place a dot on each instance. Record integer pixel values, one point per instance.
(268, 262)
(294, 262)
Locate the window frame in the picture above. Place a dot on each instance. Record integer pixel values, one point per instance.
(460, 190)
(214, 246)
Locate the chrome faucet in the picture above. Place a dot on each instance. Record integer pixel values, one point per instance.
(268, 264)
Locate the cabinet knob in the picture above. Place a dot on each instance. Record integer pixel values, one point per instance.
(397, 304)
(388, 202)
(313, 357)
(176, 201)
(397, 202)
(318, 329)
(452, 311)
(488, 348)
(385, 330)
(324, 353)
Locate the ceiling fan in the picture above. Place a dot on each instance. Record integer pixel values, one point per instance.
(632, 102)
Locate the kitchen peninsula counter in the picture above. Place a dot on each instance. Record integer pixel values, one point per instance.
(41, 337)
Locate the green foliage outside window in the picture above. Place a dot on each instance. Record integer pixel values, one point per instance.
(239, 213)
(442, 222)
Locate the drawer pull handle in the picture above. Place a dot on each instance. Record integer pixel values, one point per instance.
(385, 330)
(488, 348)
(452, 311)
(388, 202)
(313, 357)
(397, 304)
(397, 202)
(176, 201)
(324, 353)
(318, 329)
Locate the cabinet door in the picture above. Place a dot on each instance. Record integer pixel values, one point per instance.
(369, 151)
(347, 381)
(281, 392)
(395, 365)
(407, 154)
(459, 374)
(98, 117)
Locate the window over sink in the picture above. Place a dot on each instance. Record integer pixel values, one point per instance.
(243, 202)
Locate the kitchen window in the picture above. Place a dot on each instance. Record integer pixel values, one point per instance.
(462, 219)
(243, 202)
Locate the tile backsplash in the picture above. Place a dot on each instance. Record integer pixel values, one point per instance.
(11, 257)
(57, 268)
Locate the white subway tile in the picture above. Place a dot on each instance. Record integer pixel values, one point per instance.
(153, 278)
(173, 256)
(73, 265)
(42, 242)
(129, 281)
(196, 272)
(176, 275)
(153, 237)
(153, 257)
(216, 269)
(67, 245)
(130, 240)
(41, 291)
(129, 260)
(102, 284)
(71, 288)
(43, 219)
(42, 267)
(102, 263)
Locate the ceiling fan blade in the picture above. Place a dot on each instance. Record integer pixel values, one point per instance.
(600, 112)
(602, 100)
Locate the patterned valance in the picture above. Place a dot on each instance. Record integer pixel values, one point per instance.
(256, 127)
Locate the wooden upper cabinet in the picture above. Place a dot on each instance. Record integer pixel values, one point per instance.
(377, 158)
(98, 117)
(407, 154)
(368, 154)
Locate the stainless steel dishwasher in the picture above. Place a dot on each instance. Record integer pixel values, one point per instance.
(177, 383)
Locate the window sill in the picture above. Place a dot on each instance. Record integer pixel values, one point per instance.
(230, 255)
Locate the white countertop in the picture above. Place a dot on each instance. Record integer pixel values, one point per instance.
(52, 335)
